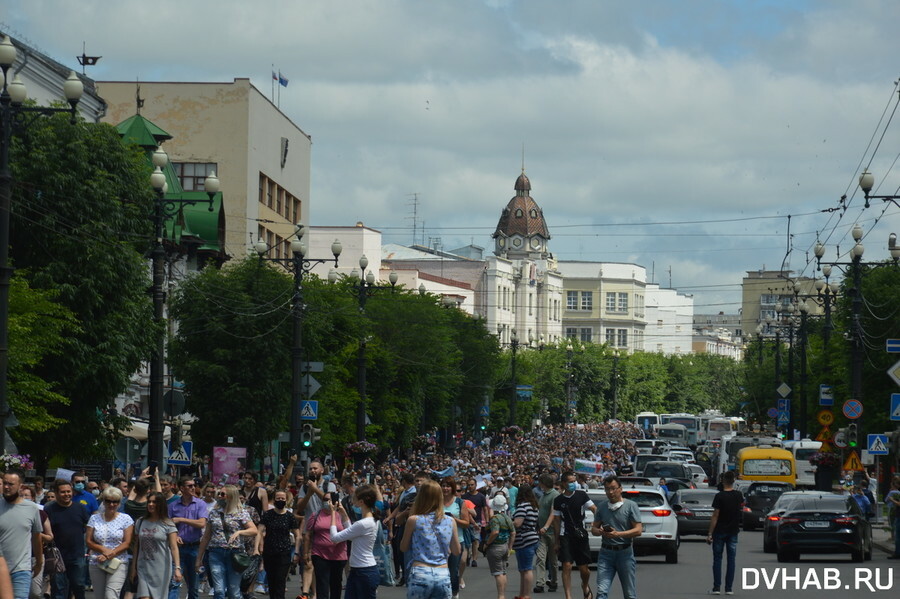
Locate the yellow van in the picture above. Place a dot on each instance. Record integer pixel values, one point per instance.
(766, 464)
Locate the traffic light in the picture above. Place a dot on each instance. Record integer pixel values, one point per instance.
(306, 436)
(315, 433)
(852, 438)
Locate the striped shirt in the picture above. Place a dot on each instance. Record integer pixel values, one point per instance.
(527, 533)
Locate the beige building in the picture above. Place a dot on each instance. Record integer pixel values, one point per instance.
(764, 291)
(260, 156)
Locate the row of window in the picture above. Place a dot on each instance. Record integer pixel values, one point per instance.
(192, 175)
(613, 337)
(279, 199)
(506, 301)
(280, 247)
(616, 301)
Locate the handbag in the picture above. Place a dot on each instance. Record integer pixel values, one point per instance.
(239, 558)
(53, 560)
(110, 565)
(384, 558)
(250, 573)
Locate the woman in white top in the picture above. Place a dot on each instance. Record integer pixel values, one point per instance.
(362, 582)
(108, 537)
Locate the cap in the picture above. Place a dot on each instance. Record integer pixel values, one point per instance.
(498, 503)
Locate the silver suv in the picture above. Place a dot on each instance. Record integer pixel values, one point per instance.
(660, 536)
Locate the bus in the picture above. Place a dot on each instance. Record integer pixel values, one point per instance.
(767, 464)
(716, 428)
(688, 421)
(731, 444)
(646, 421)
(676, 434)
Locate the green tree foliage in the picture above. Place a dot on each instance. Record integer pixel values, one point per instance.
(232, 350)
(79, 228)
(38, 327)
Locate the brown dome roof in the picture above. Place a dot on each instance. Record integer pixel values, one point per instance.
(522, 215)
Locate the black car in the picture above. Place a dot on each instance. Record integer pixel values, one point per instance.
(758, 501)
(770, 523)
(824, 523)
(666, 469)
(694, 510)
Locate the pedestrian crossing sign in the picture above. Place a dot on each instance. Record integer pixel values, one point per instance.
(182, 454)
(309, 409)
(878, 444)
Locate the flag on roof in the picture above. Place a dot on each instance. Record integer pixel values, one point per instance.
(282, 79)
(274, 76)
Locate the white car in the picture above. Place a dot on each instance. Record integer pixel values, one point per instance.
(699, 476)
(680, 455)
(660, 536)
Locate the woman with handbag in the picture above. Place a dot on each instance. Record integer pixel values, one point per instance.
(156, 550)
(328, 559)
(430, 536)
(274, 543)
(108, 537)
(226, 523)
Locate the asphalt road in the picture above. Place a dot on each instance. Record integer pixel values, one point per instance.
(692, 576)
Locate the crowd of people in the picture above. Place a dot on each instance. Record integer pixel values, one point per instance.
(423, 520)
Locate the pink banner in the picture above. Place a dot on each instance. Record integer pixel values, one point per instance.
(227, 464)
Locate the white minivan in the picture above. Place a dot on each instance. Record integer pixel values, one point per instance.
(806, 472)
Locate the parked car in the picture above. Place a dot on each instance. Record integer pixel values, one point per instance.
(824, 523)
(770, 524)
(759, 498)
(660, 535)
(693, 508)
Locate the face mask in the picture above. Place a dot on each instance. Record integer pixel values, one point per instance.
(572, 486)
(357, 510)
(79, 486)
(280, 503)
(221, 502)
(95, 492)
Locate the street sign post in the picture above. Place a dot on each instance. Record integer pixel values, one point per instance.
(895, 406)
(309, 409)
(772, 413)
(783, 389)
(853, 409)
(894, 372)
(825, 417)
(892, 346)
(839, 440)
(826, 395)
(783, 418)
(877, 444)
(783, 405)
(485, 411)
(182, 455)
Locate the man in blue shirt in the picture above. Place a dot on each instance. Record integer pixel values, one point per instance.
(189, 515)
(81, 495)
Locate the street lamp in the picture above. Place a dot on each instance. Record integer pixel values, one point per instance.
(855, 270)
(300, 265)
(163, 209)
(366, 287)
(513, 346)
(15, 118)
(615, 382)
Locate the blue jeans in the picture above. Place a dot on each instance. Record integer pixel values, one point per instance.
(225, 580)
(70, 582)
(525, 557)
(729, 544)
(610, 563)
(188, 556)
(425, 582)
(362, 583)
(21, 583)
(453, 562)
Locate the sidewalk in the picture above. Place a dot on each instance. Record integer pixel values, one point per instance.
(881, 538)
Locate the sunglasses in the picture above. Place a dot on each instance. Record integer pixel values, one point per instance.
(111, 501)
(220, 494)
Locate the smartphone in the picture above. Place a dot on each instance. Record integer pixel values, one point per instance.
(334, 497)
(153, 466)
(607, 528)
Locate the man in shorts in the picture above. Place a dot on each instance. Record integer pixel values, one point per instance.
(571, 537)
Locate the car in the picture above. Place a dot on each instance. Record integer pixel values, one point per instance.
(640, 461)
(666, 469)
(759, 498)
(693, 508)
(628, 481)
(679, 455)
(770, 524)
(824, 523)
(698, 476)
(660, 534)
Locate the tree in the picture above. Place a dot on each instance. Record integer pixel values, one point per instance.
(79, 226)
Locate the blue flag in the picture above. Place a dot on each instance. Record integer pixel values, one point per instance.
(282, 79)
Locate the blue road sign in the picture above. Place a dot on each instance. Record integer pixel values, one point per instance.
(309, 409)
(772, 413)
(783, 418)
(877, 444)
(783, 405)
(852, 409)
(892, 346)
(181, 456)
(895, 406)
(485, 411)
(826, 395)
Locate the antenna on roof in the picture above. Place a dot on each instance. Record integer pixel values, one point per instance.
(138, 100)
(414, 202)
(523, 157)
(86, 61)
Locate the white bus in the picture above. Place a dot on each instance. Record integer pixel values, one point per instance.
(692, 423)
(676, 434)
(716, 428)
(646, 421)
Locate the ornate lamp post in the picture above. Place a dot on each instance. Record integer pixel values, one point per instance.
(366, 287)
(299, 264)
(15, 118)
(514, 398)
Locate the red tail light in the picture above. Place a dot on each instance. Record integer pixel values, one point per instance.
(746, 509)
(846, 521)
(773, 518)
(683, 513)
(660, 513)
(790, 520)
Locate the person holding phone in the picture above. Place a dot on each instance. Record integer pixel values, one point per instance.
(328, 559)
(618, 521)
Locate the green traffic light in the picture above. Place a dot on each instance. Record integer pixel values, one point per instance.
(306, 443)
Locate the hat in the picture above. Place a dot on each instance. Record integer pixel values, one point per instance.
(499, 478)
(498, 503)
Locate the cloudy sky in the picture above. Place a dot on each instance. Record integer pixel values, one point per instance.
(698, 137)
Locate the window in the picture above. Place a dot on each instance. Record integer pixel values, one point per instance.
(270, 188)
(659, 324)
(738, 333)
(571, 333)
(587, 300)
(768, 299)
(623, 337)
(192, 175)
(571, 300)
(610, 301)
(279, 200)
(623, 302)
(586, 334)
(530, 303)
(611, 337)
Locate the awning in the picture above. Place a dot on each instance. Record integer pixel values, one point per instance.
(139, 428)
